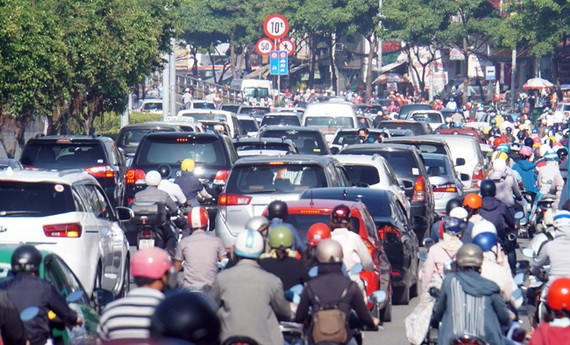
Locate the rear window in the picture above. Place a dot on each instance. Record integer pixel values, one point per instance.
(262, 147)
(173, 150)
(307, 142)
(253, 111)
(427, 117)
(436, 167)
(403, 163)
(53, 155)
(362, 174)
(427, 148)
(302, 222)
(34, 199)
(132, 137)
(248, 125)
(207, 116)
(288, 178)
(228, 107)
(269, 120)
(417, 128)
(203, 105)
(154, 106)
(330, 121)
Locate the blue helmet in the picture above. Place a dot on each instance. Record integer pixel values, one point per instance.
(550, 155)
(454, 226)
(486, 240)
(503, 148)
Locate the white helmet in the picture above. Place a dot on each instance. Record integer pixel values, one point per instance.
(499, 164)
(562, 221)
(249, 244)
(152, 178)
(459, 212)
(483, 226)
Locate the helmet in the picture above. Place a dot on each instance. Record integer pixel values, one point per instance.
(486, 240)
(562, 153)
(341, 214)
(483, 226)
(152, 178)
(188, 165)
(451, 204)
(26, 258)
(503, 148)
(459, 213)
(280, 236)
(150, 263)
(329, 250)
(493, 121)
(473, 201)
(499, 165)
(558, 297)
(164, 170)
(550, 155)
(488, 188)
(515, 147)
(525, 151)
(469, 255)
(188, 316)
(249, 244)
(535, 130)
(453, 226)
(198, 218)
(277, 209)
(521, 134)
(561, 219)
(528, 142)
(318, 232)
(509, 130)
(258, 223)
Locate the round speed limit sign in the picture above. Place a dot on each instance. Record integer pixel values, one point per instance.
(276, 26)
(264, 46)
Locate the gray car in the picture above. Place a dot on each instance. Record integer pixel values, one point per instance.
(446, 185)
(256, 181)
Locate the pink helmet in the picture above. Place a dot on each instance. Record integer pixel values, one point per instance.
(150, 263)
(525, 151)
(198, 218)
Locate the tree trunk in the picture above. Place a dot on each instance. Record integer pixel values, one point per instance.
(368, 76)
(313, 62)
(331, 43)
(465, 72)
(232, 57)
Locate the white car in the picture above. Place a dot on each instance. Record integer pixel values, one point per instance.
(374, 172)
(67, 213)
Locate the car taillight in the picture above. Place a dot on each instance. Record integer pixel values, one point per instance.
(70, 230)
(221, 176)
(477, 176)
(133, 176)
(445, 188)
(233, 199)
(102, 171)
(419, 190)
(388, 231)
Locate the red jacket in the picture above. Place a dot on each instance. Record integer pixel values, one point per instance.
(546, 334)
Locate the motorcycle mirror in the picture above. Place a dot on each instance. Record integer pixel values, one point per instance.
(519, 278)
(29, 313)
(422, 256)
(357, 268)
(523, 264)
(428, 242)
(74, 296)
(528, 252)
(314, 271)
(378, 296)
(519, 215)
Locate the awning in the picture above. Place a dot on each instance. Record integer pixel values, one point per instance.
(392, 66)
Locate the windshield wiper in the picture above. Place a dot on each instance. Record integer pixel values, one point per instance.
(11, 213)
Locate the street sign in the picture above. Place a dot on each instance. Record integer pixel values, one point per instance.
(274, 62)
(276, 26)
(283, 62)
(264, 46)
(490, 73)
(278, 62)
(287, 45)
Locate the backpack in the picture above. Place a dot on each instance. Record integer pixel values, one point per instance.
(329, 322)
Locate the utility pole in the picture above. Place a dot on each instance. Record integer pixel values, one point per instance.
(513, 77)
(379, 60)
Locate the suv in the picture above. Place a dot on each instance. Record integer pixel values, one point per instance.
(97, 155)
(67, 212)
(255, 181)
(419, 128)
(214, 155)
(266, 147)
(309, 141)
(130, 136)
(411, 172)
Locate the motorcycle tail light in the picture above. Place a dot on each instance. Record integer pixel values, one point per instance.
(146, 234)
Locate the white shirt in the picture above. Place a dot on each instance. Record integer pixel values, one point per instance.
(174, 190)
(353, 249)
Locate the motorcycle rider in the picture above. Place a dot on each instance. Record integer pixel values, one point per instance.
(316, 233)
(550, 179)
(27, 289)
(557, 330)
(437, 227)
(497, 253)
(277, 212)
(332, 287)
(190, 184)
(556, 251)
(261, 224)
(176, 194)
(505, 182)
(11, 327)
(248, 300)
(469, 303)
(526, 169)
(471, 203)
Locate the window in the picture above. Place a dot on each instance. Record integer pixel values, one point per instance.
(330, 121)
(52, 155)
(35, 199)
(367, 174)
(402, 162)
(307, 142)
(207, 151)
(248, 125)
(283, 120)
(63, 279)
(302, 222)
(95, 201)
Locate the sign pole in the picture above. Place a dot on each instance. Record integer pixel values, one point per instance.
(278, 78)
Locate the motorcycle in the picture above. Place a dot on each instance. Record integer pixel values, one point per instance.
(151, 219)
(543, 215)
(524, 206)
(535, 285)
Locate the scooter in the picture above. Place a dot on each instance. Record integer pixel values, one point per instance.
(151, 219)
(536, 294)
(543, 215)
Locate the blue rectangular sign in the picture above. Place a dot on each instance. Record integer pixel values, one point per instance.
(274, 62)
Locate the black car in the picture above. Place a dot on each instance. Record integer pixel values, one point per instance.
(213, 153)
(399, 240)
(419, 128)
(97, 155)
(410, 170)
(309, 141)
(406, 108)
(130, 136)
(267, 146)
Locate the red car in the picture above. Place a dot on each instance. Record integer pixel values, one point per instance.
(304, 213)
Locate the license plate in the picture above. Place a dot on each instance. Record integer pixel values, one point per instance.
(146, 243)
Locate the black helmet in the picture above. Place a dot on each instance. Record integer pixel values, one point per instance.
(164, 170)
(521, 134)
(277, 209)
(488, 188)
(451, 204)
(562, 153)
(26, 258)
(341, 214)
(188, 316)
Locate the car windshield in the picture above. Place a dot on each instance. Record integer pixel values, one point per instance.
(427, 117)
(436, 167)
(206, 116)
(253, 111)
(330, 121)
(70, 155)
(283, 120)
(203, 105)
(173, 150)
(302, 222)
(403, 163)
(132, 137)
(152, 106)
(34, 199)
(230, 107)
(277, 178)
(415, 127)
(255, 92)
(362, 174)
(248, 125)
(307, 142)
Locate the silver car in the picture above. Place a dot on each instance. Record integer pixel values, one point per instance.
(256, 181)
(446, 185)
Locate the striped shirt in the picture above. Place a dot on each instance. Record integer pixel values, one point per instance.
(129, 317)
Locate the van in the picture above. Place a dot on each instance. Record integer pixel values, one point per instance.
(200, 115)
(329, 117)
(253, 88)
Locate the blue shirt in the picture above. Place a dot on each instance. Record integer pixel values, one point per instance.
(189, 184)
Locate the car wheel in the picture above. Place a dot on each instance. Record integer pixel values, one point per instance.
(386, 313)
(126, 287)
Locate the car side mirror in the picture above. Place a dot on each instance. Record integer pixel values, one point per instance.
(124, 214)
(464, 177)
(334, 150)
(460, 161)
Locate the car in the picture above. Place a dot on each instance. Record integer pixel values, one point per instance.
(248, 125)
(267, 147)
(11, 163)
(463, 131)
(255, 181)
(348, 136)
(432, 144)
(280, 119)
(231, 107)
(369, 108)
(309, 141)
(256, 111)
(130, 136)
(153, 106)
(304, 213)
(199, 104)
(219, 127)
(411, 173)
(328, 117)
(445, 183)
(433, 117)
(213, 153)
(406, 108)
(419, 128)
(200, 115)
(399, 240)
(54, 270)
(68, 213)
(563, 108)
(96, 154)
(374, 172)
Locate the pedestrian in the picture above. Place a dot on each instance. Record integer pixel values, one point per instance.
(186, 98)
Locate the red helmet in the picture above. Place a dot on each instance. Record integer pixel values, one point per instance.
(341, 214)
(558, 297)
(318, 232)
(150, 263)
(198, 218)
